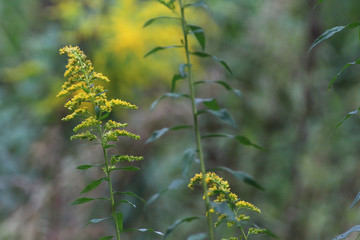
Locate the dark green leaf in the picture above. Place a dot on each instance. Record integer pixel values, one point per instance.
(347, 116)
(205, 55)
(97, 112)
(175, 78)
(357, 198)
(173, 185)
(154, 50)
(198, 4)
(177, 223)
(222, 114)
(152, 20)
(342, 70)
(82, 200)
(97, 220)
(211, 103)
(93, 185)
(225, 85)
(158, 133)
(241, 139)
(199, 35)
(120, 219)
(355, 228)
(144, 230)
(131, 194)
(109, 146)
(170, 95)
(331, 32)
(125, 201)
(102, 117)
(83, 167)
(241, 176)
(198, 236)
(106, 238)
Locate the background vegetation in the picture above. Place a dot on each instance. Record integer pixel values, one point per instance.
(309, 171)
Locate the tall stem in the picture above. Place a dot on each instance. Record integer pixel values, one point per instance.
(196, 124)
(107, 170)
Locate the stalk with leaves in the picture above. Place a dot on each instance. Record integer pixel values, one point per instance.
(88, 100)
(210, 105)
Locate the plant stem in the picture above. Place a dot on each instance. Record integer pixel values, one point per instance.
(107, 171)
(242, 230)
(196, 124)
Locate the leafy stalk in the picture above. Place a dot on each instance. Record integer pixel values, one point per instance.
(195, 117)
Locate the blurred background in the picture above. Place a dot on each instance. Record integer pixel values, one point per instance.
(309, 170)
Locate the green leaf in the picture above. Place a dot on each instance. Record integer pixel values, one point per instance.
(144, 230)
(109, 146)
(82, 200)
(241, 176)
(106, 238)
(205, 55)
(347, 116)
(211, 103)
(342, 70)
(130, 194)
(198, 236)
(355, 228)
(102, 117)
(198, 4)
(120, 220)
(173, 185)
(84, 167)
(97, 220)
(158, 133)
(177, 223)
(357, 198)
(125, 201)
(331, 32)
(170, 95)
(152, 20)
(182, 71)
(199, 35)
(241, 139)
(94, 184)
(222, 114)
(154, 50)
(225, 85)
(187, 159)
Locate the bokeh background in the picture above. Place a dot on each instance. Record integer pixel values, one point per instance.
(309, 170)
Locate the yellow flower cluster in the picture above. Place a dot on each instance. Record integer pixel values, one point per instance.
(125, 158)
(81, 82)
(219, 188)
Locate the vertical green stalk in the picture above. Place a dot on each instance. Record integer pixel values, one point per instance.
(196, 124)
(107, 170)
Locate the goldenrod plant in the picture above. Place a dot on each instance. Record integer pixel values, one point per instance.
(199, 106)
(88, 101)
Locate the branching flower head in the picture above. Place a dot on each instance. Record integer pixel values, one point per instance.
(89, 100)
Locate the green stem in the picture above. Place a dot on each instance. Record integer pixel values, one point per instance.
(107, 170)
(242, 230)
(196, 124)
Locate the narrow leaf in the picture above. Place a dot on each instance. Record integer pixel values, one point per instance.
(199, 35)
(154, 50)
(357, 198)
(106, 238)
(158, 133)
(120, 220)
(97, 220)
(241, 139)
(173, 185)
(81, 200)
(187, 159)
(225, 85)
(211, 103)
(182, 71)
(241, 176)
(355, 228)
(199, 4)
(102, 117)
(109, 146)
(130, 194)
(125, 201)
(221, 114)
(84, 167)
(144, 230)
(152, 20)
(347, 116)
(168, 95)
(205, 55)
(93, 185)
(342, 70)
(130, 168)
(331, 32)
(177, 223)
